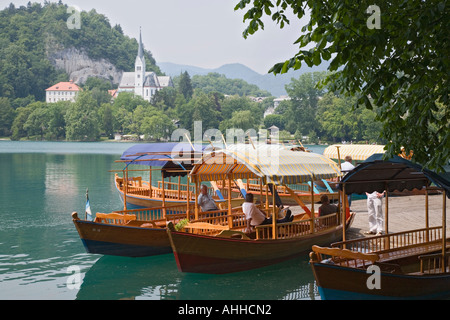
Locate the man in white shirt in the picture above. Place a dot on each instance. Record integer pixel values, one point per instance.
(347, 165)
(255, 217)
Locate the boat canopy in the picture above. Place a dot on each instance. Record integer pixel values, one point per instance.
(357, 151)
(376, 174)
(155, 154)
(274, 164)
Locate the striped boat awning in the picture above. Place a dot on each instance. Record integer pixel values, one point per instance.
(274, 165)
(356, 151)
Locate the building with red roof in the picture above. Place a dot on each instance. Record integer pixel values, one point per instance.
(63, 91)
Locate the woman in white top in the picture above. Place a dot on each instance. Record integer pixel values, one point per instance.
(256, 217)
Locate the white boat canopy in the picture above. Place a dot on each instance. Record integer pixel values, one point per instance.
(357, 151)
(273, 164)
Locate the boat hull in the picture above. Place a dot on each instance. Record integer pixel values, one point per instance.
(119, 240)
(343, 283)
(216, 255)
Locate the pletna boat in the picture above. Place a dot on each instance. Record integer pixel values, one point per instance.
(413, 264)
(201, 248)
(173, 161)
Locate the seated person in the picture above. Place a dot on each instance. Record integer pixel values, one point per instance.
(205, 201)
(326, 208)
(256, 217)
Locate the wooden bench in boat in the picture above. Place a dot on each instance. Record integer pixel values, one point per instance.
(233, 234)
(116, 217)
(205, 225)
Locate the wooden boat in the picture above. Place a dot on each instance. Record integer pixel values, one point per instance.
(413, 264)
(142, 232)
(208, 248)
(171, 163)
(129, 233)
(232, 250)
(139, 194)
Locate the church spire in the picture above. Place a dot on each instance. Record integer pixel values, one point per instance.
(141, 46)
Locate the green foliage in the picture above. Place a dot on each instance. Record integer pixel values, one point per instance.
(340, 121)
(274, 120)
(180, 225)
(82, 119)
(401, 68)
(185, 85)
(7, 115)
(302, 107)
(215, 82)
(30, 33)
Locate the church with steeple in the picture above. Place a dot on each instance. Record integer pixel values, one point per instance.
(141, 82)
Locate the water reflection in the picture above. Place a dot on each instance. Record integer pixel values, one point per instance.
(157, 278)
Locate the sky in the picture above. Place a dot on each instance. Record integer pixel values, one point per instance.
(201, 33)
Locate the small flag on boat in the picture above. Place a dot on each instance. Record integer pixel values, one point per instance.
(88, 207)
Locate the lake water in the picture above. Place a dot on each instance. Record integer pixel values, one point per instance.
(42, 183)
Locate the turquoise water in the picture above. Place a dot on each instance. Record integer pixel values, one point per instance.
(42, 257)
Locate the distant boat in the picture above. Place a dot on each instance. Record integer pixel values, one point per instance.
(173, 160)
(414, 264)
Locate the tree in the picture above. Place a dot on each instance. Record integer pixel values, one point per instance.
(185, 86)
(236, 103)
(157, 126)
(393, 65)
(274, 120)
(303, 104)
(82, 123)
(7, 115)
(22, 114)
(107, 119)
(240, 120)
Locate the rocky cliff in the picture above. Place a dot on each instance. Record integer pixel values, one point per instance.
(77, 64)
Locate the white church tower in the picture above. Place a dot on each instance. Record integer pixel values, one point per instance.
(141, 83)
(139, 69)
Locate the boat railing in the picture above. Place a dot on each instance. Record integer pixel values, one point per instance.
(157, 213)
(236, 220)
(296, 229)
(168, 185)
(393, 241)
(434, 264)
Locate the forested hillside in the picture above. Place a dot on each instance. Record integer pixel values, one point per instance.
(29, 34)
